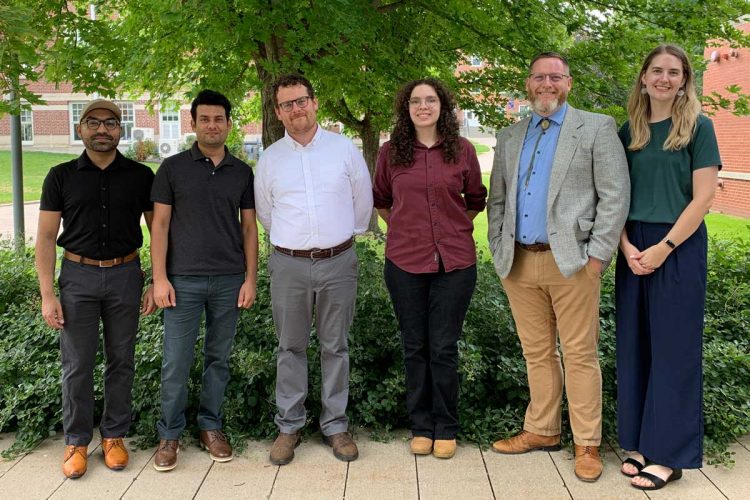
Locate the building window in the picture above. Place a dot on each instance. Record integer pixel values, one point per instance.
(27, 127)
(76, 108)
(475, 61)
(128, 120)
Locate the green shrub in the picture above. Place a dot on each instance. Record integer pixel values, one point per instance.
(142, 150)
(493, 394)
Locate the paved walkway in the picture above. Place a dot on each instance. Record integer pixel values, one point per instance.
(383, 471)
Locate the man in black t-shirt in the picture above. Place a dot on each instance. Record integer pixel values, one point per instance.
(204, 251)
(99, 197)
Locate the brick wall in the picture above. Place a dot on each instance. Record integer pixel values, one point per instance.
(731, 67)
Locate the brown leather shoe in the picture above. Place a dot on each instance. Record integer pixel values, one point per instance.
(282, 451)
(420, 445)
(526, 441)
(166, 456)
(343, 446)
(444, 448)
(217, 445)
(115, 453)
(588, 463)
(74, 461)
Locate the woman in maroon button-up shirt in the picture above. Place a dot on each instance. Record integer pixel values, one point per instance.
(428, 188)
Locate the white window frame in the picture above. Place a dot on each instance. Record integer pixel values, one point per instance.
(128, 121)
(74, 115)
(475, 61)
(169, 112)
(27, 119)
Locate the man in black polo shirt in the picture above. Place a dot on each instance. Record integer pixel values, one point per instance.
(99, 197)
(204, 251)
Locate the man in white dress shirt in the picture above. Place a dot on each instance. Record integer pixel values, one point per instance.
(312, 195)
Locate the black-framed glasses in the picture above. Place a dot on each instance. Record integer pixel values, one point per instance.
(93, 123)
(301, 102)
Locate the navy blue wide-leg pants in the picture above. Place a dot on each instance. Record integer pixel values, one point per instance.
(659, 350)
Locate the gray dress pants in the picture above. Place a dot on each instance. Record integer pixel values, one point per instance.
(300, 285)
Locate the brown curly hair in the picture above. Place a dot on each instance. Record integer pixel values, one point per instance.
(403, 135)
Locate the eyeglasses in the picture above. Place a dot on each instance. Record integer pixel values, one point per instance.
(430, 102)
(109, 123)
(301, 103)
(553, 77)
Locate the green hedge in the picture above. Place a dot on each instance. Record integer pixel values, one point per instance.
(493, 389)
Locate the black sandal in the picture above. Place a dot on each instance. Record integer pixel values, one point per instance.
(635, 463)
(658, 483)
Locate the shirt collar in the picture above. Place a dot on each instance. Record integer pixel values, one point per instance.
(297, 145)
(557, 117)
(84, 162)
(197, 155)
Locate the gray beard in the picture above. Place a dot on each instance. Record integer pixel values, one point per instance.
(547, 109)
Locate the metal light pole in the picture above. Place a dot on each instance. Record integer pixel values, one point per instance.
(16, 165)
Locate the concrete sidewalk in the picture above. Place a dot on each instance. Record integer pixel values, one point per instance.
(383, 471)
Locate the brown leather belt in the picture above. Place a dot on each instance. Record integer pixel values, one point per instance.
(535, 247)
(101, 263)
(318, 253)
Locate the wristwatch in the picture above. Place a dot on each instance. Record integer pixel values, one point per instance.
(670, 244)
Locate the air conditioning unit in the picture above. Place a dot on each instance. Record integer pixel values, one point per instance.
(142, 134)
(168, 148)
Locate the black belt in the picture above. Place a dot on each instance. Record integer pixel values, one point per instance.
(535, 247)
(318, 253)
(101, 263)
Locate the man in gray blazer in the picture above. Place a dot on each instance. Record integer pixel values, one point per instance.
(559, 197)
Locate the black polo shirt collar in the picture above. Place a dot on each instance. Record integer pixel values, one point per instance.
(197, 155)
(84, 162)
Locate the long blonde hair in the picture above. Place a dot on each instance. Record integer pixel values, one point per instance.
(685, 108)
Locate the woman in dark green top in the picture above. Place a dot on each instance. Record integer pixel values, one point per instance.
(661, 272)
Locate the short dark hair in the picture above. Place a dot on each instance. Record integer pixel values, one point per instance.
(210, 98)
(550, 55)
(291, 81)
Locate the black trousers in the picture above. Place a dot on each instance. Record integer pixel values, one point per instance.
(659, 350)
(430, 309)
(88, 295)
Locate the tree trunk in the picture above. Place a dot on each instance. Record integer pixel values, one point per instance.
(370, 136)
(273, 129)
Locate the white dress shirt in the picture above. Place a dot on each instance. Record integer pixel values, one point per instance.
(313, 196)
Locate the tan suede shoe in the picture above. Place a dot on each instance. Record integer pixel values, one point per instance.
(526, 441)
(115, 453)
(420, 445)
(344, 447)
(75, 460)
(444, 448)
(588, 463)
(282, 451)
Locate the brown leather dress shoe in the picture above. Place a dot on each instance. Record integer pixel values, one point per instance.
(526, 441)
(343, 446)
(588, 463)
(115, 453)
(420, 445)
(166, 456)
(444, 448)
(282, 451)
(217, 445)
(74, 461)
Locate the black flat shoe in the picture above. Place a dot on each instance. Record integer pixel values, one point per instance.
(658, 483)
(635, 463)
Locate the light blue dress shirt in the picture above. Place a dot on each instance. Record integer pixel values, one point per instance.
(533, 177)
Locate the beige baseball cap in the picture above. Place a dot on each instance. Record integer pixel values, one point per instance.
(102, 104)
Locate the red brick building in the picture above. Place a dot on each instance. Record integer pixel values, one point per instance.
(727, 66)
(51, 126)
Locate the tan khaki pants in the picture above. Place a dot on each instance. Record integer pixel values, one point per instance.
(545, 303)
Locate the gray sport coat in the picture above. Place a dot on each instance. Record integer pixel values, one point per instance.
(588, 197)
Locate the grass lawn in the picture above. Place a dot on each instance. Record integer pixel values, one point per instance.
(35, 168)
(481, 148)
